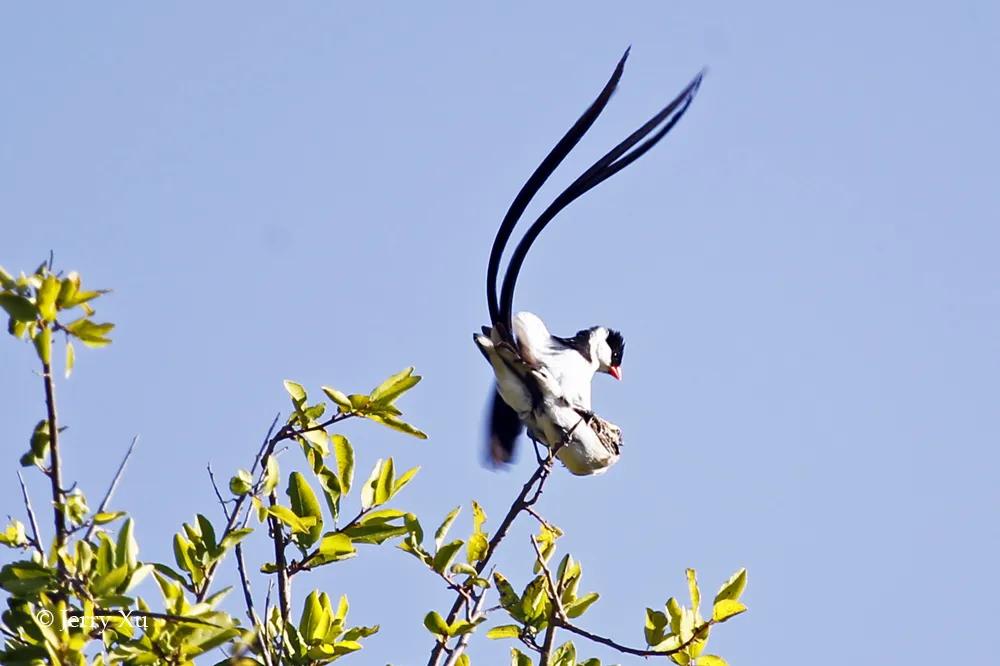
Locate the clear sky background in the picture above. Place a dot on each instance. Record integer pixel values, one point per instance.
(805, 272)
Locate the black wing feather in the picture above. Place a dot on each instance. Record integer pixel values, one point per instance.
(505, 426)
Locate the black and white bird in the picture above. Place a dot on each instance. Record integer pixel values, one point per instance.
(544, 381)
(571, 362)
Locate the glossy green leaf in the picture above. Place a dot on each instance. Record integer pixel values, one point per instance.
(733, 588)
(344, 453)
(18, 307)
(89, 333)
(504, 631)
(298, 525)
(436, 624)
(392, 388)
(305, 505)
(580, 606)
(338, 398)
(385, 482)
(693, 590)
(241, 483)
(45, 301)
(518, 658)
(70, 358)
(711, 660)
(442, 530)
(445, 554)
(337, 546)
(727, 608)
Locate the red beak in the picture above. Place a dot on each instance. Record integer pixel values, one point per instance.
(616, 372)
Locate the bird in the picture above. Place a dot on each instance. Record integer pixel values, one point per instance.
(571, 362)
(536, 371)
(531, 394)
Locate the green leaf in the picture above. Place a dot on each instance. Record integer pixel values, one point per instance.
(18, 307)
(89, 333)
(235, 536)
(403, 480)
(518, 658)
(395, 386)
(711, 660)
(369, 489)
(315, 620)
(338, 398)
(478, 544)
(344, 452)
(127, 550)
(509, 599)
(208, 536)
(43, 345)
(733, 588)
(445, 554)
(397, 424)
(241, 483)
(296, 392)
(436, 624)
(70, 358)
(580, 606)
(305, 505)
(504, 631)
(337, 546)
(182, 554)
(442, 531)
(296, 523)
(110, 581)
(656, 625)
(727, 608)
(272, 475)
(385, 482)
(45, 301)
(693, 589)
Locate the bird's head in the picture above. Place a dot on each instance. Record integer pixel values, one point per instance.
(609, 348)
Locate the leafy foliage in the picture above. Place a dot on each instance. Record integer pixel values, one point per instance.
(75, 601)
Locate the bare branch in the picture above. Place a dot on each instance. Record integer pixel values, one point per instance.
(111, 488)
(36, 539)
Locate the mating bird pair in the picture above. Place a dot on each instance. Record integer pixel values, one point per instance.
(544, 381)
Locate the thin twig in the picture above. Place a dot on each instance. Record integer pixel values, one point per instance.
(463, 642)
(112, 487)
(554, 593)
(695, 635)
(36, 539)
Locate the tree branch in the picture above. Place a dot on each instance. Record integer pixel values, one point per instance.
(112, 487)
(522, 502)
(36, 539)
(558, 619)
(265, 452)
(55, 468)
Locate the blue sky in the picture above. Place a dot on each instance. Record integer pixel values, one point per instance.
(805, 271)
